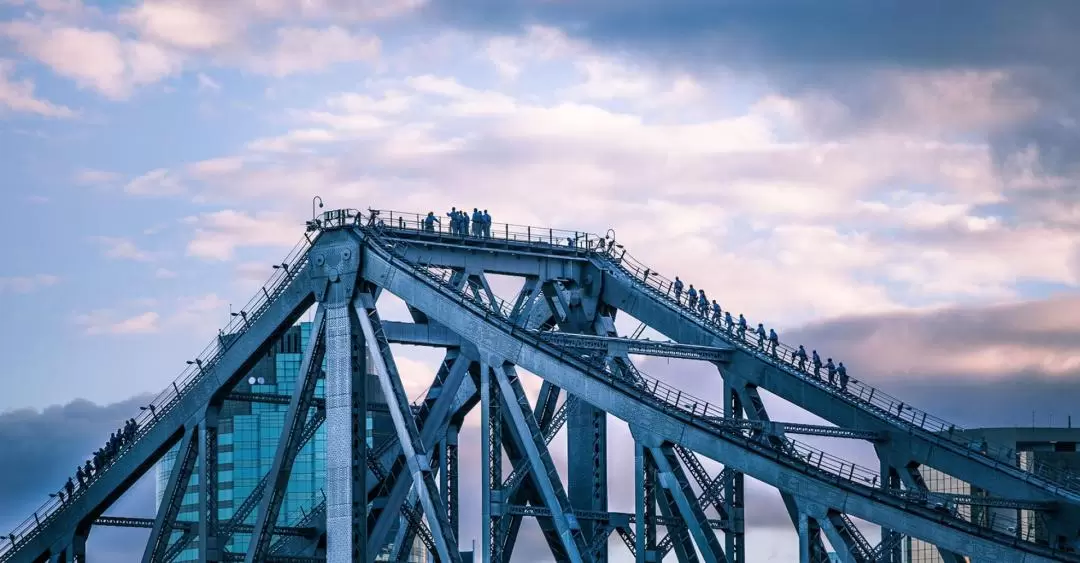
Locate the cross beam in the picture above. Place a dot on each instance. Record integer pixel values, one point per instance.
(621, 346)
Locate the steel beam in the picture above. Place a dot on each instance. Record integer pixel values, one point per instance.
(209, 550)
(674, 481)
(434, 419)
(543, 471)
(219, 373)
(755, 410)
(289, 444)
(346, 443)
(642, 498)
(734, 489)
(517, 489)
(490, 458)
(623, 290)
(669, 415)
(416, 454)
(182, 469)
(420, 334)
(621, 346)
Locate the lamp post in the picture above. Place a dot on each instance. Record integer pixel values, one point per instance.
(313, 213)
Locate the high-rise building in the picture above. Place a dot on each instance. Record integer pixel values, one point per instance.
(1054, 447)
(248, 435)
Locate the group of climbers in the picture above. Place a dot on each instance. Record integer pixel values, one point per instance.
(102, 458)
(461, 223)
(767, 342)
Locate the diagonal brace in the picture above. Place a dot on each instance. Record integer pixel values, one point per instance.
(290, 441)
(416, 454)
(543, 472)
(182, 469)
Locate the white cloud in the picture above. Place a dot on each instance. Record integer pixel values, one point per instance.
(159, 182)
(18, 95)
(301, 49)
(37, 199)
(217, 166)
(124, 249)
(27, 284)
(94, 59)
(218, 235)
(184, 25)
(164, 274)
(510, 54)
(199, 313)
(104, 321)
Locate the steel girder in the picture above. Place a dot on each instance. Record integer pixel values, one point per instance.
(414, 449)
(621, 346)
(296, 418)
(624, 290)
(432, 423)
(755, 410)
(530, 310)
(447, 307)
(518, 488)
(209, 550)
(174, 494)
(346, 400)
(491, 463)
(215, 379)
(627, 294)
(529, 438)
(577, 311)
(675, 483)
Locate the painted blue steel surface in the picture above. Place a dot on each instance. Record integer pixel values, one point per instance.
(161, 432)
(575, 279)
(490, 332)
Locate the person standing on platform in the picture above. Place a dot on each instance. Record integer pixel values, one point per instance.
(678, 286)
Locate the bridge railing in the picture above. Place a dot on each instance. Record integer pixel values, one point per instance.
(670, 399)
(167, 399)
(415, 222)
(857, 391)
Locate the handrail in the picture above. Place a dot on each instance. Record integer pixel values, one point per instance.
(878, 402)
(875, 400)
(167, 399)
(801, 456)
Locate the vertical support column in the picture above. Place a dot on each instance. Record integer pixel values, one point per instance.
(641, 497)
(78, 546)
(649, 548)
(497, 510)
(346, 439)
(735, 536)
(804, 538)
(890, 479)
(488, 421)
(449, 474)
(586, 442)
(208, 479)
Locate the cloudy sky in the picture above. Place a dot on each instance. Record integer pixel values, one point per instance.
(896, 185)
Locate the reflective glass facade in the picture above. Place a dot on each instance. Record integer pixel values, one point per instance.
(248, 435)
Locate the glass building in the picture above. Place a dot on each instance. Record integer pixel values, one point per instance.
(1055, 447)
(248, 434)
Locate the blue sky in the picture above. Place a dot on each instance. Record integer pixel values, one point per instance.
(159, 155)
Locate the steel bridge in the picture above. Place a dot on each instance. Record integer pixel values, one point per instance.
(560, 327)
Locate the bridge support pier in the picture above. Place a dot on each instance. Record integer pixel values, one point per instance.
(346, 439)
(208, 478)
(734, 536)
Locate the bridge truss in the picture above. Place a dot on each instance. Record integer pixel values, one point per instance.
(560, 327)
